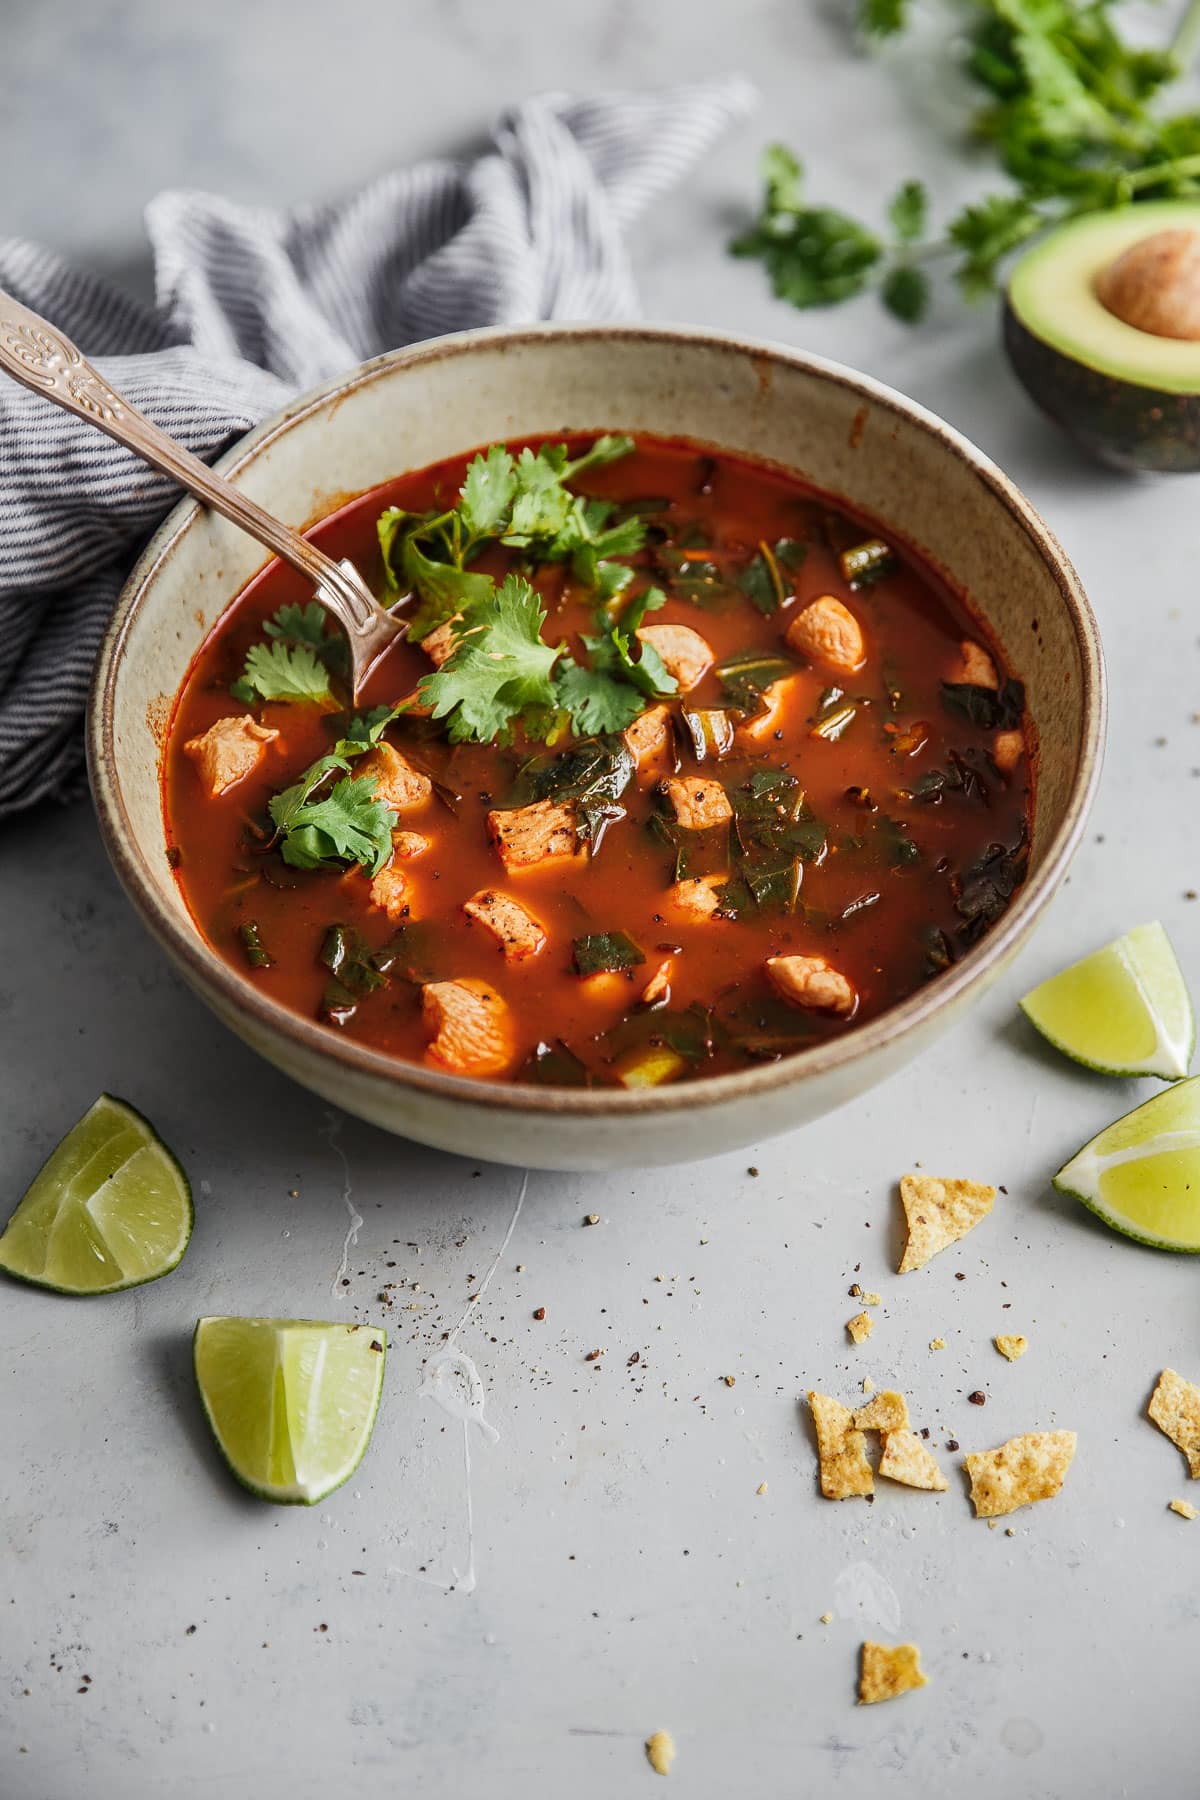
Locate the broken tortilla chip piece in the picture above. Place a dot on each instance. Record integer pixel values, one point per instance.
(906, 1459)
(1028, 1468)
(1175, 1408)
(845, 1470)
(939, 1213)
(1184, 1508)
(1011, 1344)
(660, 1752)
(888, 1670)
(888, 1411)
(860, 1327)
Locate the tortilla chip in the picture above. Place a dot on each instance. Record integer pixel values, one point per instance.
(1028, 1468)
(938, 1214)
(906, 1459)
(1184, 1508)
(1011, 1345)
(860, 1327)
(888, 1670)
(937, 1343)
(1175, 1408)
(660, 1752)
(845, 1470)
(888, 1411)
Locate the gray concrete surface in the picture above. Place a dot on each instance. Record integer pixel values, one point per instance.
(515, 1617)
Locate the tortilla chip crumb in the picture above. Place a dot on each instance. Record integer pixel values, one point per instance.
(1185, 1509)
(855, 1291)
(1009, 1532)
(860, 1327)
(826, 1619)
(660, 1752)
(1175, 1408)
(939, 1213)
(845, 1470)
(868, 1385)
(906, 1459)
(1011, 1345)
(870, 1299)
(888, 1670)
(761, 1488)
(1028, 1468)
(937, 1343)
(888, 1411)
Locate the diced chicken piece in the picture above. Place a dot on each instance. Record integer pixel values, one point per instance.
(699, 803)
(811, 982)
(406, 844)
(976, 667)
(1008, 747)
(766, 723)
(696, 899)
(685, 654)
(659, 985)
(397, 783)
(228, 751)
(470, 1027)
(390, 890)
(439, 645)
(530, 837)
(516, 931)
(828, 632)
(648, 739)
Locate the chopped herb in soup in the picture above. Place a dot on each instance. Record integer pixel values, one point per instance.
(679, 769)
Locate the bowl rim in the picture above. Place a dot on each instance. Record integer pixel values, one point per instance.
(238, 993)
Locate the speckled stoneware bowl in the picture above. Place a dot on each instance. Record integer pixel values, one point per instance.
(848, 435)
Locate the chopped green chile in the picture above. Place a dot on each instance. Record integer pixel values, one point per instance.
(710, 731)
(257, 954)
(605, 952)
(888, 845)
(868, 562)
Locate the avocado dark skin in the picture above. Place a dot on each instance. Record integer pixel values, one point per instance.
(1120, 422)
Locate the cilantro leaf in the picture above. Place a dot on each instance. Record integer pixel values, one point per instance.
(443, 589)
(882, 18)
(985, 233)
(348, 825)
(813, 254)
(542, 503)
(597, 701)
(907, 212)
(300, 625)
(905, 292)
(487, 493)
(282, 672)
(499, 670)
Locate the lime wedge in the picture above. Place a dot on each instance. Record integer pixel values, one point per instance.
(1124, 1010)
(110, 1209)
(291, 1401)
(1142, 1175)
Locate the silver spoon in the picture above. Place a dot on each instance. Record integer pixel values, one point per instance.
(38, 355)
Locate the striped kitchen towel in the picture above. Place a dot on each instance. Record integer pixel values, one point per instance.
(255, 306)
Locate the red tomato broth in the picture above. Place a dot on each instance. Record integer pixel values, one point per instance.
(910, 620)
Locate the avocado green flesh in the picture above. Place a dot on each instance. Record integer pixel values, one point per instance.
(1052, 294)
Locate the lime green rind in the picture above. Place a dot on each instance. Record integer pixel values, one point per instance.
(1142, 1174)
(75, 1230)
(281, 1414)
(1125, 1010)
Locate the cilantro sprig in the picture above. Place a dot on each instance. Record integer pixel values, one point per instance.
(610, 693)
(1069, 110)
(296, 664)
(330, 817)
(523, 502)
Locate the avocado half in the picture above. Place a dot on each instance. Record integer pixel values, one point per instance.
(1129, 395)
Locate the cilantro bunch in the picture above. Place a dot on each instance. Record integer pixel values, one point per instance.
(524, 503)
(1068, 109)
(330, 817)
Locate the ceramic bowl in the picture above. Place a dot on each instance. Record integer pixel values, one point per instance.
(848, 435)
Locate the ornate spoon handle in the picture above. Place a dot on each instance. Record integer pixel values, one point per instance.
(40, 357)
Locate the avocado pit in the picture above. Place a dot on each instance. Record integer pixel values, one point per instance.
(1155, 284)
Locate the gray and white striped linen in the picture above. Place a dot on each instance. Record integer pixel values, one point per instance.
(255, 306)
